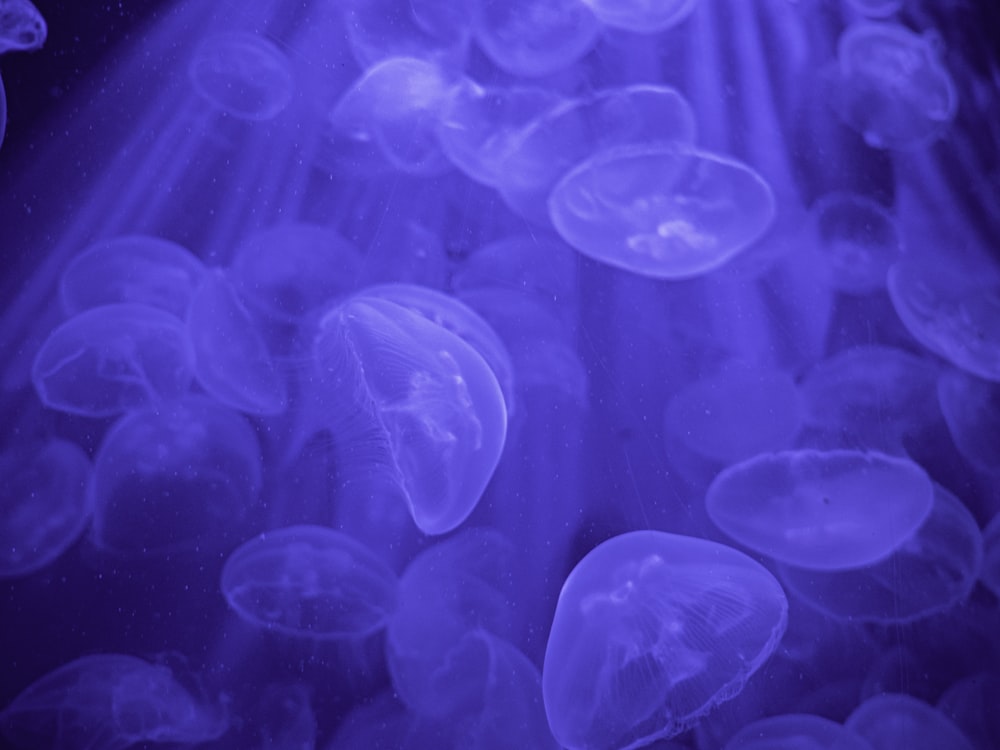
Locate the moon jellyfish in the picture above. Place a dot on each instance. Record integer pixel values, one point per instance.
(22, 28)
(971, 705)
(641, 16)
(933, 570)
(890, 86)
(309, 582)
(417, 408)
(182, 476)
(43, 504)
(652, 631)
(242, 75)
(858, 242)
(821, 510)
(377, 30)
(113, 358)
(990, 575)
(141, 269)
(667, 212)
(232, 361)
(111, 701)
(796, 732)
(876, 8)
(953, 313)
(533, 37)
(971, 409)
(896, 720)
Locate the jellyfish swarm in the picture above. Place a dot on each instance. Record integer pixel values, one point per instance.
(652, 630)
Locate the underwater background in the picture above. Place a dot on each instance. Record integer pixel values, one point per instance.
(500, 374)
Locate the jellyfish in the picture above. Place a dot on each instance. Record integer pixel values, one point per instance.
(971, 409)
(22, 29)
(110, 359)
(111, 701)
(43, 504)
(663, 211)
(3, 111)
(641, 16)
(795, 732)
(426, 29)
(876, 8)
(990, 575)
(653, 630)
(183, 476)
(894, 719)
(970, 704)
(821, 510)
(309, 582)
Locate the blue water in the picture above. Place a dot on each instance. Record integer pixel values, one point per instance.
(491, 374)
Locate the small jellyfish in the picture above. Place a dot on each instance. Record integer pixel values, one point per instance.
(141, 269)
(111, 701)
(180, 476)
(821, 510)
(663, 211)
(309, 582)
(232, 361)
(796, 732)
(858, 241)
(43, 504)
(953, 312)
(534, 37)
(890, 86)
(651, 631)
(113, 358)
(641, 16)
(243, 75)
(894, 720)
(971, 409)
(22, 29)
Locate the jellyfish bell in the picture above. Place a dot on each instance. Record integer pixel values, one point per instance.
(641, 16)
(22, 27)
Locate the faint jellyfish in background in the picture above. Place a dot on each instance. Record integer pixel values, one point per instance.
(876, 8)
(891, 87)
(662, 211)
(990, 575)
(796, 732)
(821, 510)
(858, 241)
(384, 722)
(971, 705)
(43, 503)
(138, 269)
(243, 75)
(434, 30)
(22, 28)
(971, 409)
(179, 477)
(641, 16)
(534, 38)
(113, 358)
(285, 719)
(895, 720)
(652, 631)
(3, 111)
(110, 701)
(952, 311)
(931, 572)
(309, 582)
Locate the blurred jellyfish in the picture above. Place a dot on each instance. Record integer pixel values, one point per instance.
(890, 86)
(971, 705)
(309, 582)
(796, 732)
(876, 8)
(971, 409)
(652, 631)
(3, 111)
(43, 503)
(138, 269)
(895, 720)
(426, 29)
(109, 701)
(384, 722)
(641, 16)
(178, 477)
(663, 211)
(22, 28)
(285, 718)
(113, 358)
(991, 556)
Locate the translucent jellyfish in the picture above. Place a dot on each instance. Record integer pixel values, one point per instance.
(232, 360)
(990, 575)
(858, 242)
(641, 16)
(309, 582)
(896, 720)
(291, 270)
(416, 408)
(821, 510)
(243, 75)
(533, 265)
(138, 268)
(876, 8)
(22, 28)
(652, 631)
(394, 108)
(953, 312)
(663, 211)
(43, 503)
(890, 86)
(178, 477)
(109, 701)
(533, 37)
(971, 705)
(932, 571)
(427, 29)
(284, 718)
(384, 722)
(113, 358)
(971, 409)
(796, 732)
